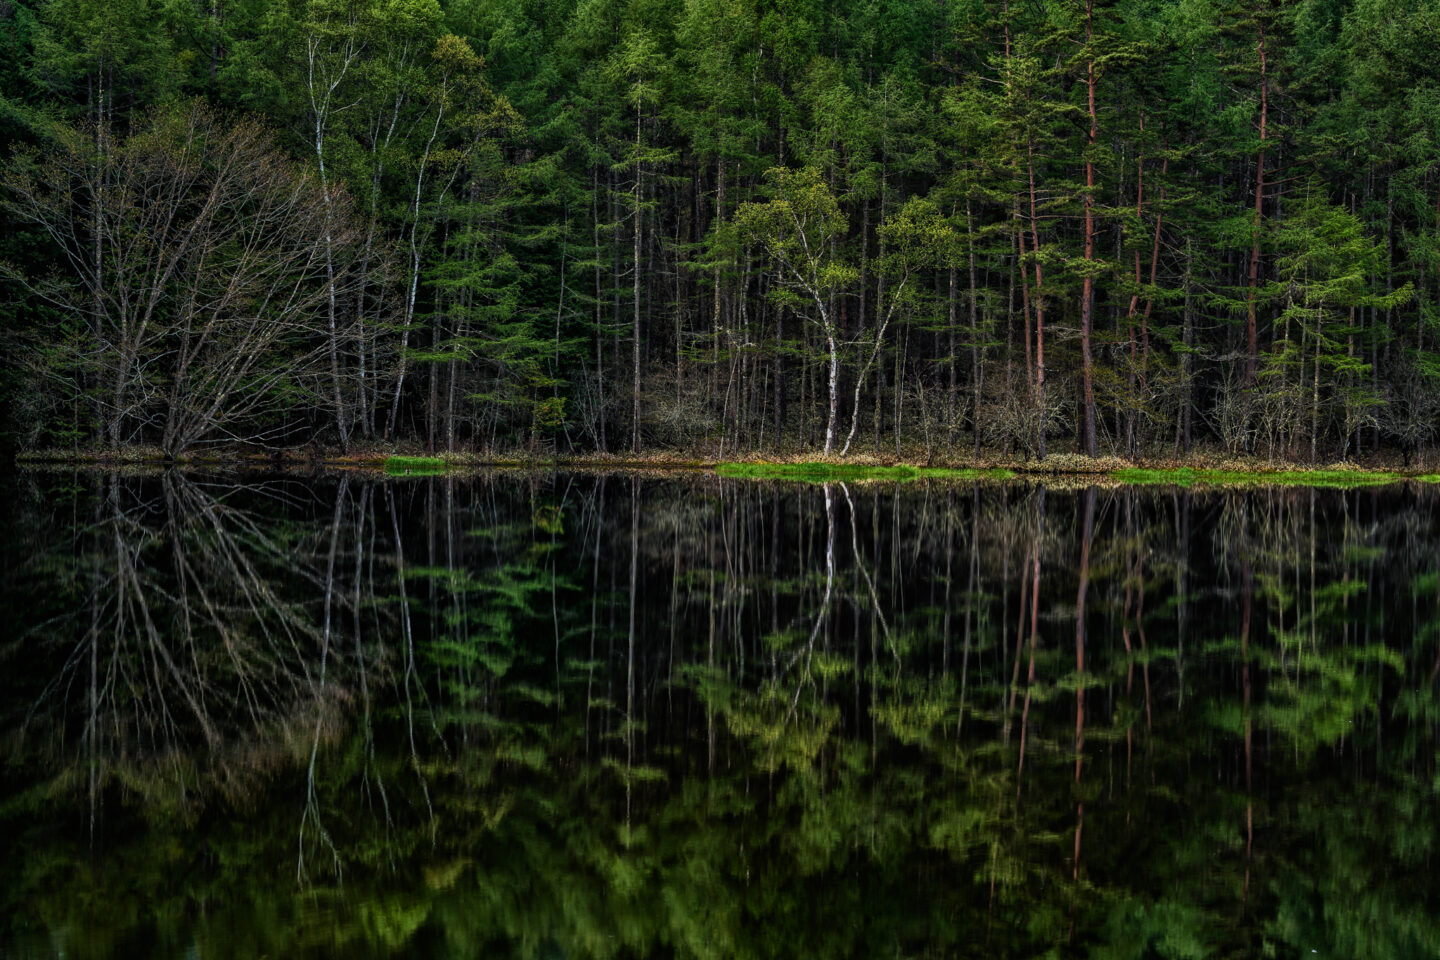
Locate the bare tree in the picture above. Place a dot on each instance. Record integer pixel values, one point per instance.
(207, 315)
(198, 645)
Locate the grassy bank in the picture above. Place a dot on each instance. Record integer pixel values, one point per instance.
(1190, 476)
(826, 472)
(1074, 469)
(1200, 470)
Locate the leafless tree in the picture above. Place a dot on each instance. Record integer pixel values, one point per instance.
(198, 657)
(206, 314)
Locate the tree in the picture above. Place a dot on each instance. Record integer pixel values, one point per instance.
(205, 317)
(1325, 265)
(638, 67)
(916, 237)
(797, 229)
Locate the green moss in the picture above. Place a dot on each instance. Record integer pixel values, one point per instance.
(850, 472)
(414, 466)
(1189, 476)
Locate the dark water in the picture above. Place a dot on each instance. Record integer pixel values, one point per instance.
(625, 716)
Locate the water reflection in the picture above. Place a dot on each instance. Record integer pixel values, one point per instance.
(619, 715)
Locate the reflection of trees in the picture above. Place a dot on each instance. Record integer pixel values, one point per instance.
(613, 716)
(194, 631)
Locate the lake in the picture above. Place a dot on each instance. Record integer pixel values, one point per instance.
(673, 715)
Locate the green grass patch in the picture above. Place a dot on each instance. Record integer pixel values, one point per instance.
(851, 472)
(414, 466)
(1189, 476)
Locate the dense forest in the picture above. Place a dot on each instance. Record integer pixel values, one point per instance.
(901, 227)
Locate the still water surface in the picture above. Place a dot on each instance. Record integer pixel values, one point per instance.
(678, 716)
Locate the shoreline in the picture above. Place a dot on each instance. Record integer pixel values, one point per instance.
(1197, 471)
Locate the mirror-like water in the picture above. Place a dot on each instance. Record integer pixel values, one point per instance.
(626, 716)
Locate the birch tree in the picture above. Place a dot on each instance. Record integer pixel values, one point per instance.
(797, 230)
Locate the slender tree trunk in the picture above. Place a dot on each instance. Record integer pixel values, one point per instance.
(599, 323)
(1087, 297)
(110, 425)
(715, 314)
(834, 384)
(320, 105)
(1039, 306)
(1131, 374)
(1315, 400)
(555, 369)
(977, 353)
(635, 289)
(1187, 376)
(1154, 274)
(952, 314)
(1024, 302)
(1252, 350)
(362, 280)
(413, 286)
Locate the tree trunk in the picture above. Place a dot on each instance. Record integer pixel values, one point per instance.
(414, 279)
(1087, 297)
(635, 287)
(599, 323)
(1039, 308)
(977, 380)
(1252, 350)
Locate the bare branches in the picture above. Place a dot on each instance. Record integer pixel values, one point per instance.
(205, 314)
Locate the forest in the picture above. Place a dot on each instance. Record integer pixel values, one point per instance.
(909, 228)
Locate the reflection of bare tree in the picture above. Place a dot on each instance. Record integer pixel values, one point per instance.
(201, 623)
(311, 813)
(824, 612)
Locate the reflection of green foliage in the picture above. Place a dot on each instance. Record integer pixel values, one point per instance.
(548, 519)
(913, 711)
(1319, 691)
(1167, 928)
